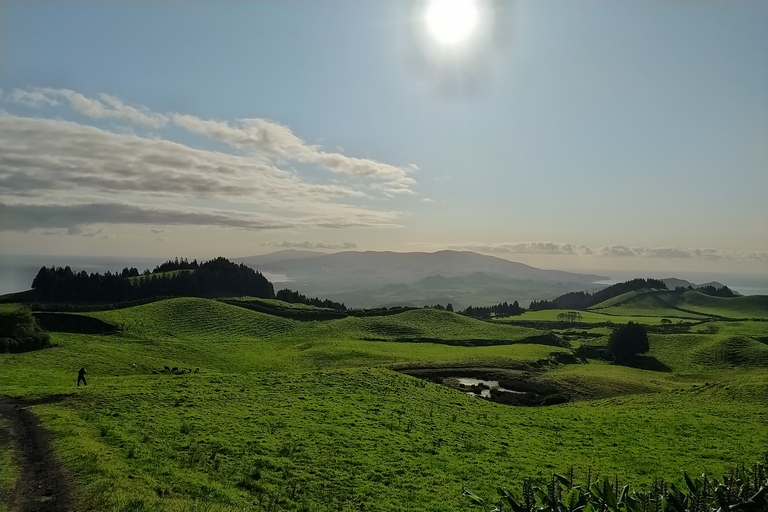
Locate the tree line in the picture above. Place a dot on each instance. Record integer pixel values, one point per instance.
(218, 276)
(499, 310)
(710, 290)
(584, 300)
(295, 297)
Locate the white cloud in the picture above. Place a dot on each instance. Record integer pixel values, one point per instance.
(48, 156)
(526, 248)
(57, 174)
(312, 244)
(611, 251)
(274, 139)
(105, 106)
(264, 139)
(32, 98)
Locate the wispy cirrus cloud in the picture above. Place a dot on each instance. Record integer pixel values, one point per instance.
(64, 174)
(105, 106)
(311, 244)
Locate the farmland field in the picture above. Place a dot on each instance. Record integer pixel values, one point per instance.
(285, 414)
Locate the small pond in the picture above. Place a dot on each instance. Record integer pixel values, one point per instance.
(484, 386)
(499, 386)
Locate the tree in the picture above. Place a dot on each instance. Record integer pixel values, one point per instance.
(627, 341)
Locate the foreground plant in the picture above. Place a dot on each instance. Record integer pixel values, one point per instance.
(742, 490)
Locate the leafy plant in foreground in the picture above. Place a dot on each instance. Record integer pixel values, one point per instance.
(742, 490)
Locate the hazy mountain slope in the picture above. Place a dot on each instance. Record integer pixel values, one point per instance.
(393, 267)
(272, 257)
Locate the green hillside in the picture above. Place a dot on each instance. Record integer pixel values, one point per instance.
(310, 415)
(690, 304)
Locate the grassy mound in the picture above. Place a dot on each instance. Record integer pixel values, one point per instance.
(690, 304)
(732, 351)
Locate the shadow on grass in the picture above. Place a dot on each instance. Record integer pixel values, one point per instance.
(648, 363)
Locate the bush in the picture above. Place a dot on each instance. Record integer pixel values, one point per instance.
(19, 332)
(628, 341)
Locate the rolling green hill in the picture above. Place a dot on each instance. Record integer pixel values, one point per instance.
(690, 304)
(310, 415)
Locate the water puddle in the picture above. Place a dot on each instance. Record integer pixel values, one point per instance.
(483, 386)
(501, 386)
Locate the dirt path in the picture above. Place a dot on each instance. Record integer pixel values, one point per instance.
(43, 485)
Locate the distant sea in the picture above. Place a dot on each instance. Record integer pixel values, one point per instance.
(17, 272)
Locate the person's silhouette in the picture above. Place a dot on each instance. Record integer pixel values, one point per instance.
(81, 376)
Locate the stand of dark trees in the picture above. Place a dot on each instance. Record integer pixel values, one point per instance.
(287, 295)
(176, 264)
(584, 300)
(218, 276)
(709, 290)
(499, 310)
(440, 307)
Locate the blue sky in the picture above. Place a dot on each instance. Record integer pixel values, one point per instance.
(565, 134)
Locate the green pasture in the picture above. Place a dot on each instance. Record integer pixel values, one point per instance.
(310, 415)
(691, 304)
(587, 317)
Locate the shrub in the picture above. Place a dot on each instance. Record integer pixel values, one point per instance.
(628, 341)
(19, 332)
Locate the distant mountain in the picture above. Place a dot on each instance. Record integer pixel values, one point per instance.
(376, 278)
(400, 267)
(273, 257)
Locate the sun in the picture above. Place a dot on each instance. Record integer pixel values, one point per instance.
(451, 21)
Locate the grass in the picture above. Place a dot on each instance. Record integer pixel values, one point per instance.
(309, 415)
(691, 304)
(10, 472)
(372, 437)
(587, 317)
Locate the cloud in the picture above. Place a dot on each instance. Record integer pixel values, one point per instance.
(32, 98)
(665, 252)
(56, 161)
(611, 251)
(526, 248)
(266, 141)
(257, 135)
(25, 217)
(312, 244)
(274, 139)
(105, 106)
(64, 175)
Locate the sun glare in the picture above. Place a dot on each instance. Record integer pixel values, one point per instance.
(451, 21)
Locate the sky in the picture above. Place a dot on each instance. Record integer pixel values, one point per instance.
(562, 134)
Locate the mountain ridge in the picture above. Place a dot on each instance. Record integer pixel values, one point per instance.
(409, 266)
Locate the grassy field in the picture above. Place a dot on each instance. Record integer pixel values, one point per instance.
(309, 415)
(691, 304)
(587, 317)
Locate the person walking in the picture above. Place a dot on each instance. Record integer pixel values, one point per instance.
(81, 376)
